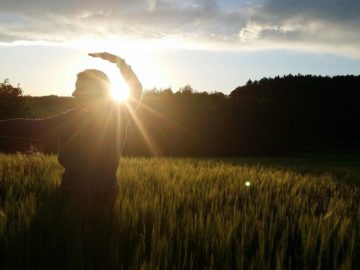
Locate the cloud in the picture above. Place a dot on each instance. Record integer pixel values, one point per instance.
(316, 25)
(331, 26)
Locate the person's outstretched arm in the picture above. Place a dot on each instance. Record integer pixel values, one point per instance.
(48, 128)
(135, 87)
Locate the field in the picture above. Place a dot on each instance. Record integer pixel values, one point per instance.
(173, 213)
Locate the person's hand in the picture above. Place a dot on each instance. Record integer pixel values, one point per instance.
(109, 57)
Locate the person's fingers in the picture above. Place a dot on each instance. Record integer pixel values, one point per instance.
(93, 54)
(107, 56)
(96, 54)
(104, 55)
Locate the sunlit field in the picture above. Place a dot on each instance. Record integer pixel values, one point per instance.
(188, 214)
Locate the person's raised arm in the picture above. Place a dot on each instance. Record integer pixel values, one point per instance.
(48, 128)
(135, 87)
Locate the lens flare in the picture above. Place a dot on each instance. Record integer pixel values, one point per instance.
(119, 93)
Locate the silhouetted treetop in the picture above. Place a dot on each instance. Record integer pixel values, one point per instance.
(6, 89)
(316, 92)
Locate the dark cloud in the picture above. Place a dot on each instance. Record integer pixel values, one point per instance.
(339, 10)
(321, 24)
(331, 25)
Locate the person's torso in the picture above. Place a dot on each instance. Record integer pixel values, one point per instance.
(91, 143)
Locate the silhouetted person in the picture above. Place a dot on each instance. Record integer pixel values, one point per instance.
(91, 138)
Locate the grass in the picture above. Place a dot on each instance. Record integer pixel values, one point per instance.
(187, 214)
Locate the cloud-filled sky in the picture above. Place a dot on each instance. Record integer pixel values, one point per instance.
(246, 30)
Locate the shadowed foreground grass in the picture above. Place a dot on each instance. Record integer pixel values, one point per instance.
(183, 214)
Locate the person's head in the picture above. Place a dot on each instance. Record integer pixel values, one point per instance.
(92, 86)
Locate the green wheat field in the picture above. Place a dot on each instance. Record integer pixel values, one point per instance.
(177, 213)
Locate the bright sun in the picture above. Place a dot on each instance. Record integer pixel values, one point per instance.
(119, 89)
(119, 95)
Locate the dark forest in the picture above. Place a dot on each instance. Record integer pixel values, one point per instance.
(278, 116)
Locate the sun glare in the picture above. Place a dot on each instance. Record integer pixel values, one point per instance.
(119, 90)
(119, 95)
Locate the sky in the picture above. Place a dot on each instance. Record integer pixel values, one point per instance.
(212, 45)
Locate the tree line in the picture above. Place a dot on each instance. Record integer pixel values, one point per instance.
(272, 116)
